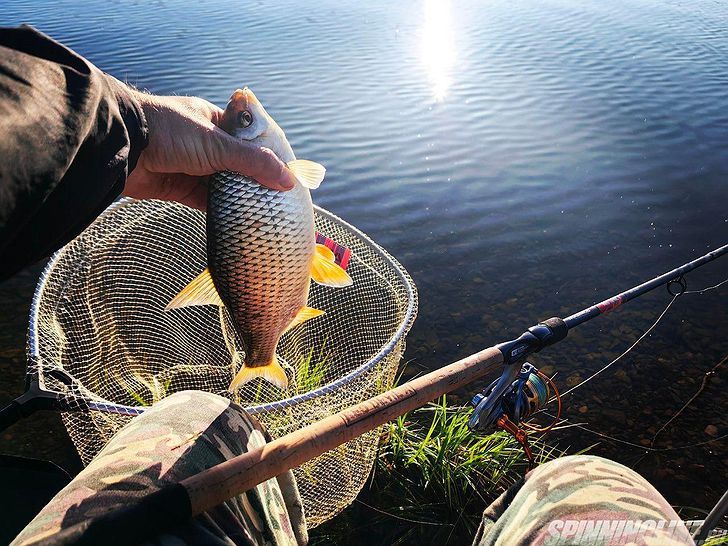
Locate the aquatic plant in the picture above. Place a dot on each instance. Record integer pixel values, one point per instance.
(442, 473)
(308, 375)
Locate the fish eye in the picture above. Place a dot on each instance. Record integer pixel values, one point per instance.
(245, 118)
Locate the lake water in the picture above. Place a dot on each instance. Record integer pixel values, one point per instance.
(521, 159)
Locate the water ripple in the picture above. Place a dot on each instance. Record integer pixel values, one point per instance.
(576, 144)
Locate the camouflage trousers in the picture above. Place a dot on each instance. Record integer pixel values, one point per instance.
(581, 500)
(178, 437)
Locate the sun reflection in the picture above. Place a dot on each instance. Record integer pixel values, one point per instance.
(438, 46)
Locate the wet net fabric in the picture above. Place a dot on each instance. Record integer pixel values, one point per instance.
(99, 332)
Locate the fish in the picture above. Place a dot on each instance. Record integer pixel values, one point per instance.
(261, 247)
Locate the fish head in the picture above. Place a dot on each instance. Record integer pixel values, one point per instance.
(246, 119)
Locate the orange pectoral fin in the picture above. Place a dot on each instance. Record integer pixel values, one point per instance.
(201, 291)
(325, 270)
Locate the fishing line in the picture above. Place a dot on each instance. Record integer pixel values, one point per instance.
(460, 515)
(632, 444)
(395, 516)
(512, 400)
(706, 376)
(172, 504)
(557, 397)
(522, 393)
(721, 283)
(683, 285)
(630, 348)
(627, 351)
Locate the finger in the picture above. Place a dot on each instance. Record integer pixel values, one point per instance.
(261, 164)
(202, 107)
(188, 190)
(216, 115)
(183, 188)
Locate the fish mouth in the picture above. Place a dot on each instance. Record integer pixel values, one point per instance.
(244, 99)
(247, 97)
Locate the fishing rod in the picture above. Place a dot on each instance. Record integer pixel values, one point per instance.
(522, 390)
(174, 505)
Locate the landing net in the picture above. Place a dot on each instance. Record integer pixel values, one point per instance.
(99, 333)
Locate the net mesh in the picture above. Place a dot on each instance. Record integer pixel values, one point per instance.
(99, 318)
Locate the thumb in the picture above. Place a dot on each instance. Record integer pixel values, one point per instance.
(260, 164)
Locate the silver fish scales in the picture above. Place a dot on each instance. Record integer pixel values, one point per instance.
(261, 248)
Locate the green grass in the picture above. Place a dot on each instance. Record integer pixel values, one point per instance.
(693, 513)
(308, 375)
(445, 456)
(716, 541)
(432, 480)
(147, 389)
(442, 473)
(311, 370)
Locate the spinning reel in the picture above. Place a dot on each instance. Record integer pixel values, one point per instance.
(509, 400)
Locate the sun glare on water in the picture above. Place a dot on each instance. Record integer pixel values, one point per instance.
(438, 46)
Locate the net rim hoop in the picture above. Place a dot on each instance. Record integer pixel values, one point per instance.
(386, 349)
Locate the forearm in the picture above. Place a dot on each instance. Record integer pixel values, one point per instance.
(70, 136)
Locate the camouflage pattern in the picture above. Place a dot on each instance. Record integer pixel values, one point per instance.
(584, 500)
(568, 501)
(180, 436)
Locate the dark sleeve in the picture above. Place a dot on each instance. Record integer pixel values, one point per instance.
(69, 136)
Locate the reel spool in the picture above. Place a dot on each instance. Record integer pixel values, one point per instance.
(509, 400)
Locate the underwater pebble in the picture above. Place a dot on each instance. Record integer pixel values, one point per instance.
(573, 380)
(616, 415)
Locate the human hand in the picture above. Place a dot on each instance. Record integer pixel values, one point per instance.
(186, 146)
